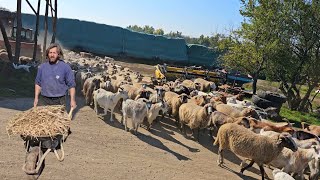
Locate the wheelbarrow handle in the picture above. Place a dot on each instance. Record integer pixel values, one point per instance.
(60, 158)
(70, 113)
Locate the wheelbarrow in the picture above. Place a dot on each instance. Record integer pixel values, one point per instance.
(44, 145)
(37, 148)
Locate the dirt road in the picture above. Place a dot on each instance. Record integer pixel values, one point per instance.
(98, 149)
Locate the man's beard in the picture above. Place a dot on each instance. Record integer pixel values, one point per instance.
(53, 62)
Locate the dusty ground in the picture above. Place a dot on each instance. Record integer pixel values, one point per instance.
(98, 149)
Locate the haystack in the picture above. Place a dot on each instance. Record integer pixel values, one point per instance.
(42, 121)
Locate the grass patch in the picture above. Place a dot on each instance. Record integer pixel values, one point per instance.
(297, 117)
(18, 83)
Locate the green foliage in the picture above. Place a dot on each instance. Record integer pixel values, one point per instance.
(158, 32)
(282, 38)
(298, 117)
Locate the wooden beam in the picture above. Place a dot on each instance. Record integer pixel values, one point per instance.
(35, 47)
(45, 31)
(50, 5)
(18, 33)
(51, 9)
(55, 19)
(6, 41)
(31, 7)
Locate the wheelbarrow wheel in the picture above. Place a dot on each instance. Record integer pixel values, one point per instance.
(30, 166)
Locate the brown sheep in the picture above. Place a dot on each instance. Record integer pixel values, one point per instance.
(256, 125)
(205, 85)
(194, 116)
(174, 102)
(230, 111)
(218, 119)
(90, 85)
(199, 100)
(190, 84)
(81, 78)
(134, 92)
(314, 129)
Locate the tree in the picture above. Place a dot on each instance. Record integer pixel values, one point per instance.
(158, 32)
(136, 28)
(175, 34)
(294, 58)
(250, 47)
(148, 29)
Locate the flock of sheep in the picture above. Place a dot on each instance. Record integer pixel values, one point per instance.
(195, 104)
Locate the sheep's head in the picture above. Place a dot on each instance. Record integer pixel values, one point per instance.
(144, 94)
(250, 112)
(194, 93)
(200, 100)
(148, 103)
(183, 98)
(105, 78)
(243, 121)
(123, 93)
(285, 140)
(160, 92)
(164, 106)
(240, 96)
(209, 108)
(96, 83)
(197, 86)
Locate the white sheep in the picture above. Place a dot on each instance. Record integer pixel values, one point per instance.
(155, 110)
(243, 142)
(108, 100)
(304, 144)
(136, 110)
(279, 175)
(295, 162)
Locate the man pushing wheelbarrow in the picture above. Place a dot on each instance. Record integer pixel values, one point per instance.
(46, 125)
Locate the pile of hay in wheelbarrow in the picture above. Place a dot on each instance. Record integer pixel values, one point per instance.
(42, 121)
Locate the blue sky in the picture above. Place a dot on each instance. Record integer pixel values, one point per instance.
(191, 17)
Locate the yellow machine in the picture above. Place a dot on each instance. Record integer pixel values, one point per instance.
(165, 72)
